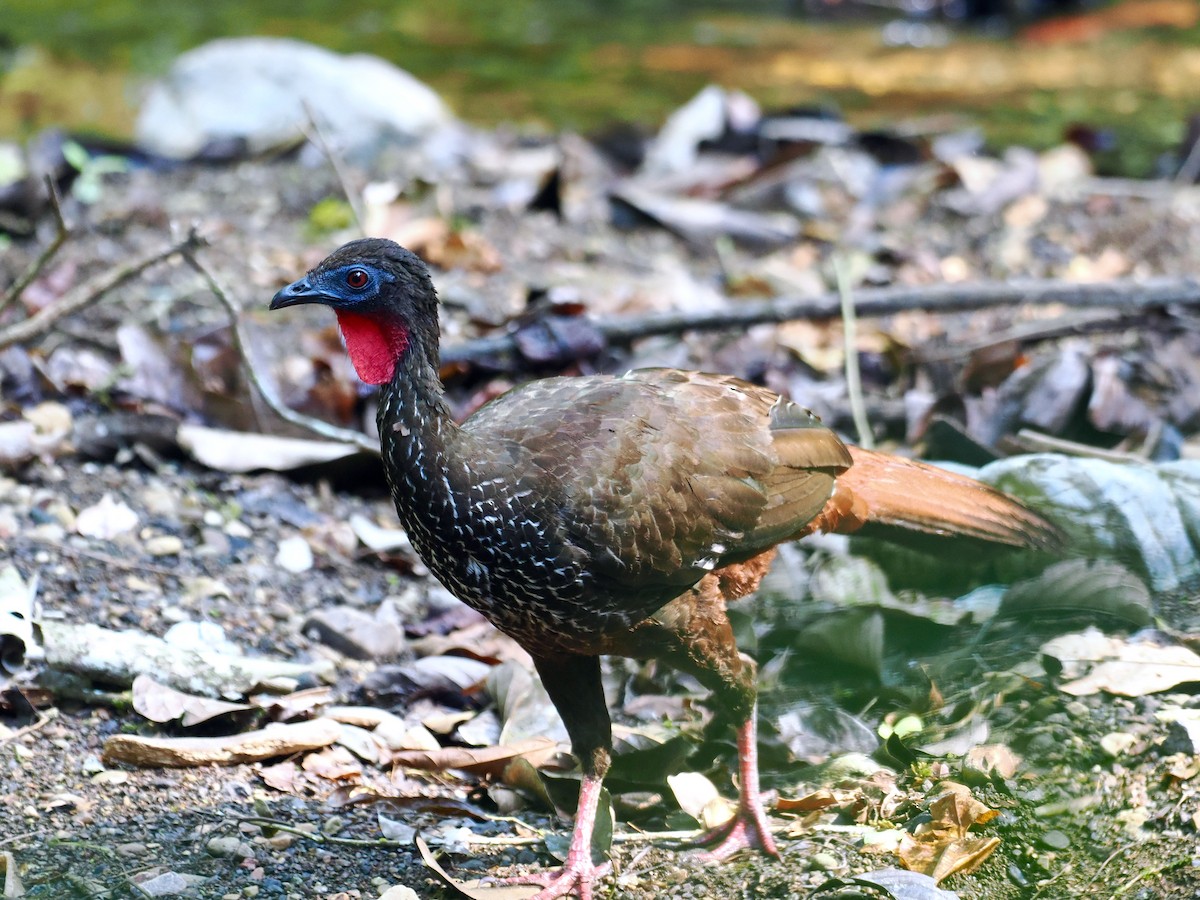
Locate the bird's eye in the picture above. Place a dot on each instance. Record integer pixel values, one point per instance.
(357, 278)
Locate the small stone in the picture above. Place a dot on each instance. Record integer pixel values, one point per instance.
(824, 862)
(294, 555)
(1116, 743)
(164, 545)
(236, 529)
(229, 845)
(91, 764)
(1055, 840)
(333, 825)
(357, 634)
(165, 885)
(106, 519)
(399, 892)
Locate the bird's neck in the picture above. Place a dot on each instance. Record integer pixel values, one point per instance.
(416, 430)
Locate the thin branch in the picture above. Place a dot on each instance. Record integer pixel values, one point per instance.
(60, 238)
(1037, 442)
(317, 136)
(1095, 321)
(872, 302)
(92, 290)
(858, 410)
(41, 722)
(241, 343)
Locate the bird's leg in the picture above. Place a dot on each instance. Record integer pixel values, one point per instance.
(748, 829)
(693, 633)
(573, 683)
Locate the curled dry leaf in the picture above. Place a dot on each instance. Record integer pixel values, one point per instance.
(820, 799)
(486, 761)
(160, 703)
(235, 451)
(333, 763)
(1127, 667)
(475, 889)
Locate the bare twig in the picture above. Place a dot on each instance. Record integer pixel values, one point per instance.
(42, 721)
(1092, 321)
(241, 343)
(1132, 296)
(1036, 442)
(858, 410)
(60, 238)
(317, 136)
(92, 290)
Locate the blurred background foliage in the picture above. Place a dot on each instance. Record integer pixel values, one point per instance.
(1121, 75)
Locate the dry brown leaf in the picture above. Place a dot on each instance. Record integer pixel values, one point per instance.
(476, 888)
(160, 703)
(820, 799)
(989, 758)
(281, 776)
(488, 761)
(944, 846)
(437, 243)
(334, 763)
(1128, 668)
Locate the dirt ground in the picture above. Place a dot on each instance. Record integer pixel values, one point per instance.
(1076, 819)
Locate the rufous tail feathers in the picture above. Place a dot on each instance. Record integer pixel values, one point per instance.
(912, 496)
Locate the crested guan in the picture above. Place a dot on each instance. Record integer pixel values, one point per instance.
(618, 514)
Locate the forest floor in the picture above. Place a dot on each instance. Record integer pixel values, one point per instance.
(1091, 794)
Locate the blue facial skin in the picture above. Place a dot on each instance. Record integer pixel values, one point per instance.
(348, 287)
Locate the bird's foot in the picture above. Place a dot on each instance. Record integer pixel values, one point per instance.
(747, 830)
(576, 877)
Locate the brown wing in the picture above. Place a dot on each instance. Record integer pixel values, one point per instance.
(663, 475)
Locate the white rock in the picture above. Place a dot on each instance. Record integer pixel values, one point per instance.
(294, 555)
(106, 520)
(256, 89)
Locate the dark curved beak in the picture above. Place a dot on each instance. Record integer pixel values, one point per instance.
(300, 292)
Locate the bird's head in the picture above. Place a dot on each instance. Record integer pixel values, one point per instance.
(384, 301)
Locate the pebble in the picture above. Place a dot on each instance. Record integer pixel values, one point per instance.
(294, 555)
(823, 862)
(1116, 743)
(399, 892)
(237, 529)
(229, 845)
(164, 545)
(1055, 840)
(165, 885)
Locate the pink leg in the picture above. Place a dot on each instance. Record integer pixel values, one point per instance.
(580, 873)
(748, 829)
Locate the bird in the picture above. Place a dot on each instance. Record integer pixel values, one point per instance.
(619, 514)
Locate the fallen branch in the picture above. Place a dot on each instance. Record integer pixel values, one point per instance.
(60, 238)
(226, 750)
(92, 290)
(942, 298)
(241, 342)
